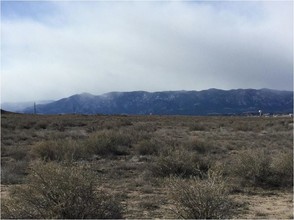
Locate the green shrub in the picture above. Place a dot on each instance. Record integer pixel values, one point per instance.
(55, 191)
(196, 198)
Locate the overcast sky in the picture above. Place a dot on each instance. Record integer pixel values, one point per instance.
(52, 50)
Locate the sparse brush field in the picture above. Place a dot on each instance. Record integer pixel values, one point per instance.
(80, 166)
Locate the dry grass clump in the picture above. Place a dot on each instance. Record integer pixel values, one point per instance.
(196, 198)
(55, 191)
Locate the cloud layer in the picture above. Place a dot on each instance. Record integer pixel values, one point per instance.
(98, 47)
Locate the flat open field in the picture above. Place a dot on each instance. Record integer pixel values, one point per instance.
(141, 160)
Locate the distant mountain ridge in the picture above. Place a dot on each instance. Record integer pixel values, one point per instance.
(206, 102)
(21, 106)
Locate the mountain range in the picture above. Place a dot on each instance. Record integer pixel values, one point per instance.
(21, 106)
(206, 102)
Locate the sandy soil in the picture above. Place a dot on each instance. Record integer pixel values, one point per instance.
(271, 205)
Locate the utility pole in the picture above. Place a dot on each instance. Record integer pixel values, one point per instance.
(35, 108)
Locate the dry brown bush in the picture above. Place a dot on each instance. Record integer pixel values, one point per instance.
(60, 150)
(148, 147)
(179, 162)
(54, 192)
(42, 125)
(13, 171)
(282, 170)
(257, 167)
(17, 152)
(201, 146)
(109, 143)
(199, 127)
(197, 198)
(252, 166)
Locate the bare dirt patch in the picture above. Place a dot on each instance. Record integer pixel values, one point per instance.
(271, 205)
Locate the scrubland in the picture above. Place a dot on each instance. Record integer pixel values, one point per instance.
(82, 166)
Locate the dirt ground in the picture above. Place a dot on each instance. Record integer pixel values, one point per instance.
(278, 205)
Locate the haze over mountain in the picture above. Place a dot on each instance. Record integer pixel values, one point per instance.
(206, 102)
(21, 106)
(54, 49)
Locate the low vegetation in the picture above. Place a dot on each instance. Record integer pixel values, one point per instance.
(260, 169)
(201, 198)
(59, 150)
(108, 143)
(179, 162)
(80, 166)
(60, 192)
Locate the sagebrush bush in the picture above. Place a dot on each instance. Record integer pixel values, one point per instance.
(41, 125)
(17, 152)
(109, 143)
(148, 147)
(59, 192)
(201, 146)
(199, 127)
(179, 162)
(252, 167)
(196, 198)
(256, 167)
(13, 171)
(60, 150)
(282, 170)
(28, 124)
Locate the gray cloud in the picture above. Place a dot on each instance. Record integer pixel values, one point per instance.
(99, 47)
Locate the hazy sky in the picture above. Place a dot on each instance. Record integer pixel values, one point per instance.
(51, 50)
